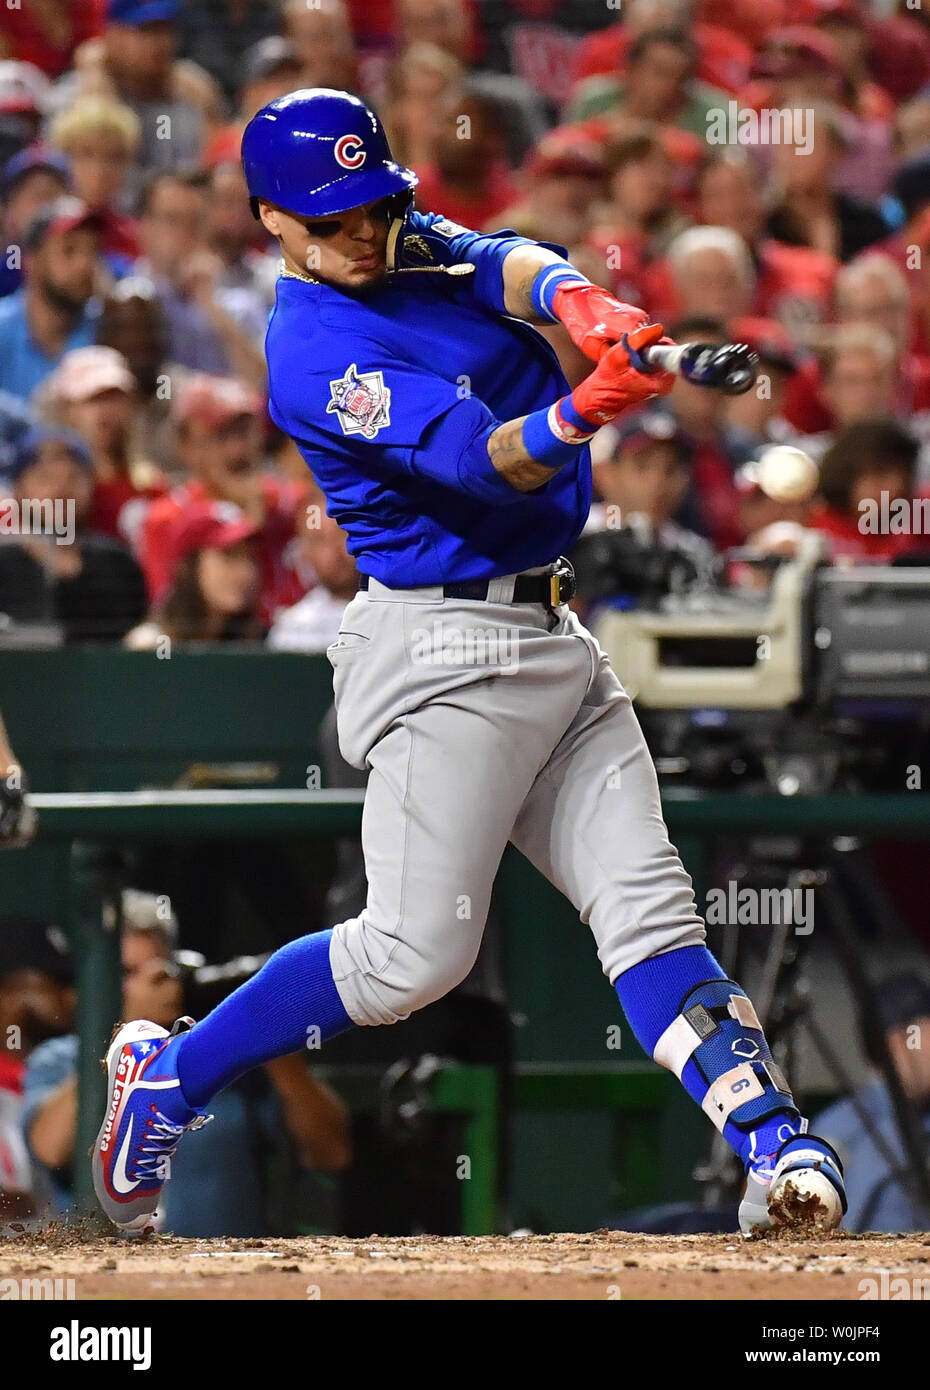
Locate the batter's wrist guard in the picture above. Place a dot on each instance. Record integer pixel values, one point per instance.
(547, 282)
(554, 436)
(717, 1031)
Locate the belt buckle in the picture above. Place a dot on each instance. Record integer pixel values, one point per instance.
(561, 583)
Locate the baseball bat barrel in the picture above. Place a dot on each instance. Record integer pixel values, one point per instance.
(730, 368)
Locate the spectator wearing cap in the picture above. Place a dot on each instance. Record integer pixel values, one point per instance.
(134, 61)
(100, 137)
(55, 571)
(93, 392)
(639, 219)
(215, 580)
(211, 328)
(36, 1003)
(24, 93)
(758, 412)
(35, 176)
(641, 470)
(712, 504)
(863, 1127)
(219, 36)
(52, 313)
(132, 322)
(270, 68)
(803, 65)
(562, 181)
(809, 209)
(219, 429)
(872, 295)
(660, 84)
(312, 624)
(469, 180)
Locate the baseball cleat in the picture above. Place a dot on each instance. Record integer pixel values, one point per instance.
(145, 1119)
(800, 1187)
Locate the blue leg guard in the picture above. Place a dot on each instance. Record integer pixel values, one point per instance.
(702, 1026)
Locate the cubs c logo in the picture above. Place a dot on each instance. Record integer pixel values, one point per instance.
(350, 152)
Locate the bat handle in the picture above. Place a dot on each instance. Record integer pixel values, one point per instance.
(652, 359)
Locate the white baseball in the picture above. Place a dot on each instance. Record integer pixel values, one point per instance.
(786, 474)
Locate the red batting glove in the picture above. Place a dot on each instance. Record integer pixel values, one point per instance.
(614, 384)
(593, 317)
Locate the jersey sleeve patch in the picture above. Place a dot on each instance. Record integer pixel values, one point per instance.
(361, 402)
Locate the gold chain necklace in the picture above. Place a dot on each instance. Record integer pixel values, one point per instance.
(289, 274)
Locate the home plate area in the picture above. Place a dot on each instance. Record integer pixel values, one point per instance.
(608, 1265)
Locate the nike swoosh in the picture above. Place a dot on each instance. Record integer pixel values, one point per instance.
(121, 1183)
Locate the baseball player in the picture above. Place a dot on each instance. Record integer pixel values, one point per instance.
(403, 362)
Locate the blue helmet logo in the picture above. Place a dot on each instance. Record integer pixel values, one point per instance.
(317, 152)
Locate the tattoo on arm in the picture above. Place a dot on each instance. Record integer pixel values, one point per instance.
(507, 453)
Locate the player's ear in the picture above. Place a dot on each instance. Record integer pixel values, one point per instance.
(270, 219)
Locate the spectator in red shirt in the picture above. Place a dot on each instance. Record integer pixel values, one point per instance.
(93, 392)
(872, 294)
(218, 423)
(793, 283)
(212, 552)
(868, 459)
(470, 181)
(639, 220)
(724, 57)
(857, 377)
(712, 274)
(100, 137)
(47, 33)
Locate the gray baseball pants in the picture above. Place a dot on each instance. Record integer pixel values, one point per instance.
(483, 722)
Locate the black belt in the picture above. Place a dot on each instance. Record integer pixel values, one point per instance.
(552, 589)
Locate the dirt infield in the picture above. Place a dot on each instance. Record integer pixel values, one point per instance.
(600, 1265)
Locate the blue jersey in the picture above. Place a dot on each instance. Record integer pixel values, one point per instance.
(391, 398)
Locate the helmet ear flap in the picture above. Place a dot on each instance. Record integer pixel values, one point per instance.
(398, 207)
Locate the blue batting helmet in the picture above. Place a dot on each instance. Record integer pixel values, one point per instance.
(316, 152)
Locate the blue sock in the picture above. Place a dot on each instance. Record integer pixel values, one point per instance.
(652, 994)
(269, 1016)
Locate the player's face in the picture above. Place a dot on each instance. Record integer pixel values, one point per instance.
(347, 250)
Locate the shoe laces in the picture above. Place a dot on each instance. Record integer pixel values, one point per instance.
(163, 1137)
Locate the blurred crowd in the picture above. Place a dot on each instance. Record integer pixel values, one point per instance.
(757, 171)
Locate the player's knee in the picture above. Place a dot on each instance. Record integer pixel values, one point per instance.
(383, 978)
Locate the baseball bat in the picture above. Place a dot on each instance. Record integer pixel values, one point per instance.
(730, 368)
